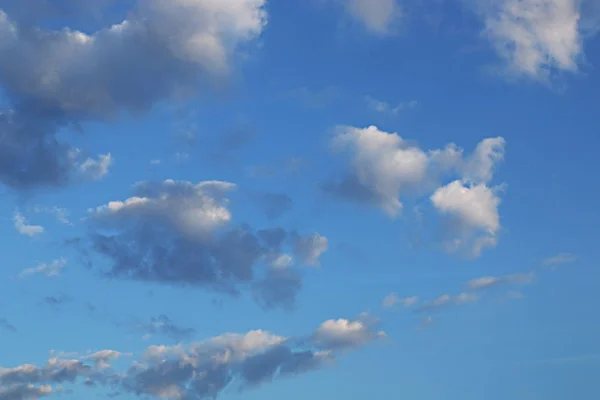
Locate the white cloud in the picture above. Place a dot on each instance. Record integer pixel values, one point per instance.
(343, 334)
(392, 299)
(535, 37)
(476, 221)
(379, 17)
(193, 209)
(384, 167)
(24, 228)
(51, 270)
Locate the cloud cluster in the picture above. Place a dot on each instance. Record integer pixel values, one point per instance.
(181, 233)
(384, 167)
(201, 370)
(60, 78)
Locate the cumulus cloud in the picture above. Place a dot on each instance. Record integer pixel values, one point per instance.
(181, 233)
(379, 17)
(24, 228)
(52, 269)
(201, 370)
(57, 78)
(536, 38)
(384, 168)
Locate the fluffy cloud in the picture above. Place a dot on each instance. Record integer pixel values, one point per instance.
(384, 167)
(181, 233)
(58, 78)
(24, 228)
(201, 370)
(379, 17)
(384, 107)
(536, 38)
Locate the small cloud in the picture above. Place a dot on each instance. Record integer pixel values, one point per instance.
(96, 169)
(392, 299)
(24, 228)
(490, 281)
(387, 108)
(561, 258)
(155, 161)
(52, 269)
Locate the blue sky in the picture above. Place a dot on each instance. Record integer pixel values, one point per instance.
(302, 199)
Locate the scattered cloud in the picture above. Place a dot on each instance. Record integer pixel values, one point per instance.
(384, 168)
(181, 233)
(387, 108)
(492, 281)
(448, 300)
(536, 38)
(561, 258)
(378, 17)
(392, 299)
(182, 47)
(201, 370)
(24, 228)
(53, 269)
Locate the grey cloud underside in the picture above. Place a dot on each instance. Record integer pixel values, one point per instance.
(228, 263)
(59, 79)
(202, 370)
(180, 233)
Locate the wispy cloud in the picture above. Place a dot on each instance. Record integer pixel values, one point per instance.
(52, 269)
(392, 299)
(61, 214)
(24, 228)
(448, 300)
(561, 258)
(491, 281)
(387, 108)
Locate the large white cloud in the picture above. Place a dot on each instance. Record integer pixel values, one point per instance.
(61, 77)
(384, 168)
